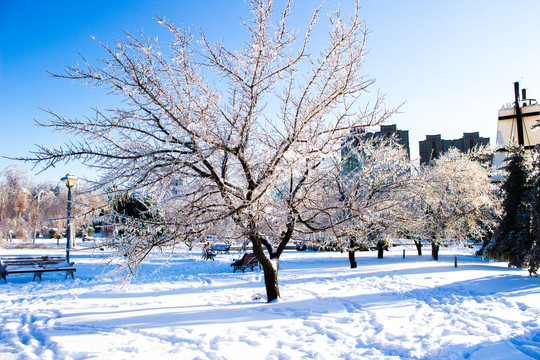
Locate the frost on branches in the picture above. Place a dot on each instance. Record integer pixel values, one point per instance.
(454, 200)
(372, 187)
(224, 138)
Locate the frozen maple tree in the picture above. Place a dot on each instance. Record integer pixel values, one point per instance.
(235, 139)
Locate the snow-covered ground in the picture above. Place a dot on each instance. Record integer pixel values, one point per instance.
(391, 308)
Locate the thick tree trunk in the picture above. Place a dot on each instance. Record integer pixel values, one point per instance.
(435, 251)
(271, 279)
(270, 270)
(380, 249)
(418, 245)
(270, 262)
(352, 259)
(352, 249)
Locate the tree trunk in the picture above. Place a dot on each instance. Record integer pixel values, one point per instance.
(270, 269)
(380, 249)
(270, 263)
(435, 251)
(418, 245)
(352, 259)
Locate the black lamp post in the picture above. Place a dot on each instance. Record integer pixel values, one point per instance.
(70, 180)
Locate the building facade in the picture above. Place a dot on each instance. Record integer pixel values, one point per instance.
(515, 126)
(434, 146)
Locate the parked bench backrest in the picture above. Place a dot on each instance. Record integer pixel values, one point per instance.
(32, 258)
(248, 257)
(41, 260)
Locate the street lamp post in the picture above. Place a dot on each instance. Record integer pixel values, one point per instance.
(69, 180)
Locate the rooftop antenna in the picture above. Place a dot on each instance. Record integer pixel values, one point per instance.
(519, 118)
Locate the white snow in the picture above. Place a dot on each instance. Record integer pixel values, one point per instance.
(391, 308)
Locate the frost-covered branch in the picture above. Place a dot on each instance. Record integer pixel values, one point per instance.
(236, 139)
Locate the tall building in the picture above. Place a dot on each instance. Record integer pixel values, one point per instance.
(352, 141)
(434, 146)
(402, 136)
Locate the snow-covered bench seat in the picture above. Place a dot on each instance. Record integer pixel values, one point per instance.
(36, 265)
(247, 261)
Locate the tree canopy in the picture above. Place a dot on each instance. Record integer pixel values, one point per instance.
(226, 138)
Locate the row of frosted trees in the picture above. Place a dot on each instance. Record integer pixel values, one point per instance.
(29, 210)
(450, 200)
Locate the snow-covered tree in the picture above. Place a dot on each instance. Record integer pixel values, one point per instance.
(454, 200)
(17, 216)
(221, 136)
(371, 193)
(28, 209)
(516, 237)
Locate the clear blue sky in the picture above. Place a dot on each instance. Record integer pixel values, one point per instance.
(452, 62)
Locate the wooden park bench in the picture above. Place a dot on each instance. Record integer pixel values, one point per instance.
(36, 265)
(247, 261)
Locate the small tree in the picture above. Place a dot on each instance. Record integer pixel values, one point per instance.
(371, 193)
(50, 200)
(454, 200)
(16, 211)
(221, 136)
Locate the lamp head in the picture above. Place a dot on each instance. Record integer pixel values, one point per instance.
(69, 179)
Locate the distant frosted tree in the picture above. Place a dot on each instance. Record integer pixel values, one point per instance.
(28, 209)
(221, 136)
(512, 239)
(16, 212)
(454, 200)
(371, 193)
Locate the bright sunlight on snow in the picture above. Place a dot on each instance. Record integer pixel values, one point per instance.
(391, 308)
